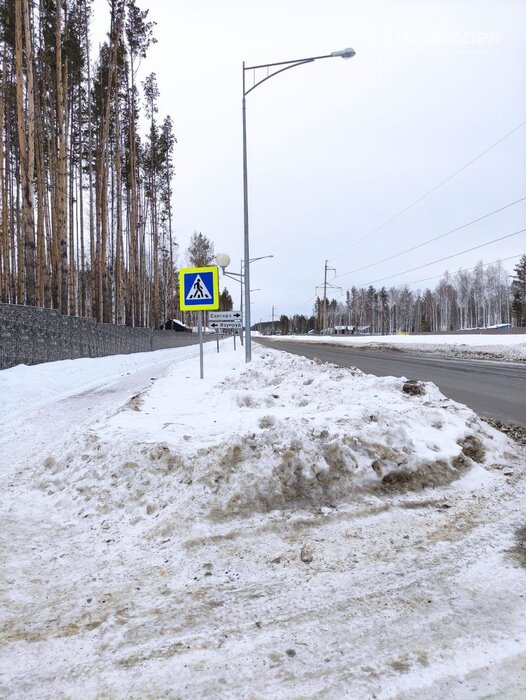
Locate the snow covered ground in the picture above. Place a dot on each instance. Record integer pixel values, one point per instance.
(503, 346)
(285, 529)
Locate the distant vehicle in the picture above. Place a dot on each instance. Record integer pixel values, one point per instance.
(312, 332)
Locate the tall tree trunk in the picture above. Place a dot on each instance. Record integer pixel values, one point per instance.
(102, 171)
(72, 268)
(93, 275)
(5, 268)
(154, 317)
(27, 288)
(134, 215)
(82, 266)
(61, 176)
(171, 280)
(41, 271)
(118, 244)
(53, 227)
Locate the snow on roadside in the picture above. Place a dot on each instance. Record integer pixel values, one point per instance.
(284, 432)
(24, 387)
(504, 347)
(162, 551)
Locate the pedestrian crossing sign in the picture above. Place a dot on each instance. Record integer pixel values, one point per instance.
(199, 288)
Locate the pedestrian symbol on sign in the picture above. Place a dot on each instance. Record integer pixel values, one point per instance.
(198, 290)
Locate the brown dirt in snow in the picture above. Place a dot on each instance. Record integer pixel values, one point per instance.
(414, 388)
(512, 430)
(473, 448)
(437, 474)
(519, 551)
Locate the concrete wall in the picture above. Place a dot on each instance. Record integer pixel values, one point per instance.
(30, 335)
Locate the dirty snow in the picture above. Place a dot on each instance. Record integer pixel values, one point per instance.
(279, 530)
(505, 347)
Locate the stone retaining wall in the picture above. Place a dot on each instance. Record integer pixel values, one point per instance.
(30, 335)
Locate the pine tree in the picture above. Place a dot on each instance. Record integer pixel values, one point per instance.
(73, 176)
(517, 308)
(167, 142)
(519, 292)
(139, 36)
(384, 311)
(26, 142)
(200, 251)
(225, 301)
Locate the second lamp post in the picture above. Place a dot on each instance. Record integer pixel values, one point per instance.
(278, 68)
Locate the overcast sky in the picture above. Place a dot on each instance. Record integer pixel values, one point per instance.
(338, 148)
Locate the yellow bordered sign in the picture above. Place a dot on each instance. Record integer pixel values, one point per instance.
(199, 288)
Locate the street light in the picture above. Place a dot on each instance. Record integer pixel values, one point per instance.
(278, 68)
(223, 261)
(261, 257)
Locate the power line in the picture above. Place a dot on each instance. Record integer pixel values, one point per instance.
(436, 277)
(448, 257)
(433, 189)
(432, 240)
(466, 269)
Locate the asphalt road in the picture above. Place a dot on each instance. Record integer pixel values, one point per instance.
(494, 389)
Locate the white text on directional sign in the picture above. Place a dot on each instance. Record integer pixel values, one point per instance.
(224, 315)
(225, 324)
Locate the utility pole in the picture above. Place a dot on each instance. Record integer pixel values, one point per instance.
(324, 314)
(273, 320)
(324, 308)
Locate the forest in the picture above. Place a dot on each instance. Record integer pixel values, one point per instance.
(479, 298)
(482, 297)
(86, 166)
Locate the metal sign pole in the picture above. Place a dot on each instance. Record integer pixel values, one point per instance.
(217, 339)
(234, 340)
(200, 324)
(199, 291)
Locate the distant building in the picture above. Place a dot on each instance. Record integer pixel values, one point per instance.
(174, 325)
(343, 330)
(495, 327)
(348, 330)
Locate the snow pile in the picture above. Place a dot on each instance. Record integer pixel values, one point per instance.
(283, 433)
(504, 347)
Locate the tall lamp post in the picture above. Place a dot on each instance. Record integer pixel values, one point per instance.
(277, 68)
(223, 261)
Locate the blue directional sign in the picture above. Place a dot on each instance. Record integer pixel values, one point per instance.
(199, 288)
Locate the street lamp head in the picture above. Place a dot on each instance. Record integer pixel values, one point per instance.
(344, 53)
(262, 257)
(223, 260)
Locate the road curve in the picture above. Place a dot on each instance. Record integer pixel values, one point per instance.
(493, 389)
